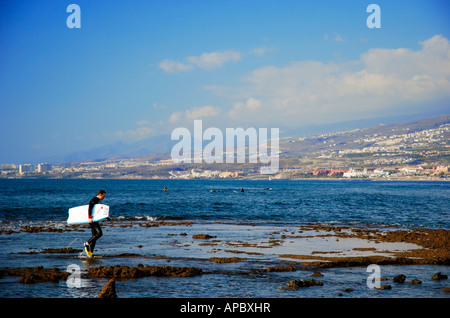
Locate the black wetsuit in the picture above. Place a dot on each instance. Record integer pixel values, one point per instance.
(95, 226)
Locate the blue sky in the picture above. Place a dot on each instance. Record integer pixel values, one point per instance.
(137, 69)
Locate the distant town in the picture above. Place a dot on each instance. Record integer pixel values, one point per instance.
(410, 151)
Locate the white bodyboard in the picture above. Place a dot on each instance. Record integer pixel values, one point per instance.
(79, 214)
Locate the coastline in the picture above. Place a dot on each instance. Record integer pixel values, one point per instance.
(257, 178)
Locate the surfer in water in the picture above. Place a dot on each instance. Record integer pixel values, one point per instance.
(95, 226)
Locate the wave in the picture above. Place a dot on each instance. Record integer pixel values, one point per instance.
(146, 218)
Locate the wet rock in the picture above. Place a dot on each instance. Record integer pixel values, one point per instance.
(316, 274)
(438, 276)
(347, 290)
(36, 275)
(296, 284)
(202, 236)
(165, 223)
(399, 278)
(434, 249)
(226, 259)
(415, 281)
(38, 229)
(66, 250)
(109, 290)
(281, 268)
(142, 271)
(128, 255)
(384, 287)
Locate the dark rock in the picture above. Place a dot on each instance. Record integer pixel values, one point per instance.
(399, 278)
(347, 290)
(384, 287)
(142, 271)
(223, 260)
(109, 290)
(316, 274)
(281, 268)
(296, 284)
(438, 276)
(415, 281)
(37, 274)
(203, 236)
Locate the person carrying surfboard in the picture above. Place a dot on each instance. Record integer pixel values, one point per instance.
(95, 226)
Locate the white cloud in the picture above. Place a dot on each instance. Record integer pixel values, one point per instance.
(206, 61)
(403, 74)
(239, 108)
(214, 59)
(193, 114)
(175, 117)
(337, 37)
(139, 133)
(201, 112)
(172, 66)
(381, 82)
(260, 51)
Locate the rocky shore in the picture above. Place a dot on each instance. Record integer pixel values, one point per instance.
(140, 271)
(433, 247)
(304, 249)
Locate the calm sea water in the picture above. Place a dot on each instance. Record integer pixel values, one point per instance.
(404, 204)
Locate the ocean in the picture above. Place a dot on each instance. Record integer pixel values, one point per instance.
(402, 204)
(220, 209)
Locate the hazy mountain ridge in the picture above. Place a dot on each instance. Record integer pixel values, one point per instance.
(163, 144)
(359, 138)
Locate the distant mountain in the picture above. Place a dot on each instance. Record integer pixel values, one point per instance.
(370, 124)
(391, 139)
(353, 139)
(157, 144)
(163, 143)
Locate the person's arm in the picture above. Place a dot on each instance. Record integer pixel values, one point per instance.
(91, 205)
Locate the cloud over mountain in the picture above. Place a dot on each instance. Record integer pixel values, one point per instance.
(381, 80)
